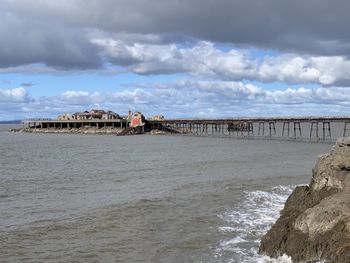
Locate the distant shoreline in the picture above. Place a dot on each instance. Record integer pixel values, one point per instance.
(11, 122)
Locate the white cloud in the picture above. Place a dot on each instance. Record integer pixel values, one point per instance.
(229, 91)
(204, 59)
(297, 69)
(72, 97)
(186, 98)
(16, 95)
(201, 59)
(303, 95)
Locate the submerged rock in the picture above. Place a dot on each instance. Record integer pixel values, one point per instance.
(315, 222)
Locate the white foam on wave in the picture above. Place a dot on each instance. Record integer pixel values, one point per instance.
(247, 223)
(233, 241)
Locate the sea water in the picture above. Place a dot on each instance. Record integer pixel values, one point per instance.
(96, 198)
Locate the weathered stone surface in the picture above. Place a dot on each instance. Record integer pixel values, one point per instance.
(315, 222)
(83, 130)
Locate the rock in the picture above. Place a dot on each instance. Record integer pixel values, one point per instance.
(16, 130)
(343, 142)
(315, 222)
(82, 130)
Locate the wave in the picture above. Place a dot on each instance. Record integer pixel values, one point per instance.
(247, 222)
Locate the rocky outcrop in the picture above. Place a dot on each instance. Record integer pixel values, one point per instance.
(90, 130)
(315, 222)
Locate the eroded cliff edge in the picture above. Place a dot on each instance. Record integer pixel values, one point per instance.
(315, 222)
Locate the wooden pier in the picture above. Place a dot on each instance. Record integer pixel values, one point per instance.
(294, 128)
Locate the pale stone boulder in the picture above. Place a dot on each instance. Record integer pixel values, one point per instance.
(315, 222)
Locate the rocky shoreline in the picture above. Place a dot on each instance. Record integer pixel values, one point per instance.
(85, 130)
(115, 131)
(315, 222)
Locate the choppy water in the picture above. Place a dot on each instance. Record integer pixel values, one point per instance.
(86, 198)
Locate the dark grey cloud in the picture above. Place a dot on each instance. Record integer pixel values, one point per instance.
(58, 33)
(26, 84)
(316, 26)
(28, 39)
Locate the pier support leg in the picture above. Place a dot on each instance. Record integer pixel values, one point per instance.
(346, 128)
(297, 127)
(250, 129)
(314, 130)
(261, 128)
(326, 130)
(272, 127)
(285, 128)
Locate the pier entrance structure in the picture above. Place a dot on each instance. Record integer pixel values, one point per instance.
(290, 128)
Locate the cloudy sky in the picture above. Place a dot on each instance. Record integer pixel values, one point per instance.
(180, 58)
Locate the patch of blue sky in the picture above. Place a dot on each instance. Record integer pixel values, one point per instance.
(225, 47)
(252, 52)
(55, 84)
(256, 53)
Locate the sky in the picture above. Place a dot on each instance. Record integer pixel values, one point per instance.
(178, 58)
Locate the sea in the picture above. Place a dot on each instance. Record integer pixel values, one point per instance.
(144, 198)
